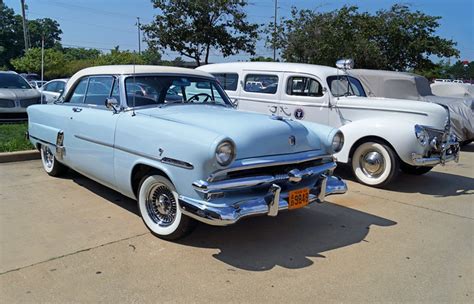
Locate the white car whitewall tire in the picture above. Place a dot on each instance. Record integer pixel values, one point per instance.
(158, 205)
(375, 164)
(50, 163)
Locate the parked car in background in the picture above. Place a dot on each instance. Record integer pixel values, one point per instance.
(410, 86)
(381, 135)
(30, 76)
(52, 90)
(36, 84)
(16, 94)
(195, 158)
(460, 90)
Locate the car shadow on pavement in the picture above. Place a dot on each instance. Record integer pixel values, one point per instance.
(289, 240)
(438, 184)
(106, 193)
(261, 243)
(468, 148)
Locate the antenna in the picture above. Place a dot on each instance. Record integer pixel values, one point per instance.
(133, 99)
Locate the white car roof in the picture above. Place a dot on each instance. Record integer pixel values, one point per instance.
(319, 70)
(133, 69)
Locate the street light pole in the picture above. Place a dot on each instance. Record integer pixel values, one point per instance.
(139, 40)
(275, 30)
(25, 28)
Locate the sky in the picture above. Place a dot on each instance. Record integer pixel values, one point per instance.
(106, 23)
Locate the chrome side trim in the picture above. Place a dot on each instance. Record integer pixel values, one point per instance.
(382, 110)
(165, 160)
(41, 140)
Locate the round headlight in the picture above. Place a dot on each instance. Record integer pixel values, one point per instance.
(337, 142)
(225, 153)
(422, 135)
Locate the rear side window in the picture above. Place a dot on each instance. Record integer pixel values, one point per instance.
(51, 87)
(79, 91)
(260, 83)
(98, 90)
(304, 86)
(228, 81)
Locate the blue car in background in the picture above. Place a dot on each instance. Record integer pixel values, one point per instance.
(171, 139)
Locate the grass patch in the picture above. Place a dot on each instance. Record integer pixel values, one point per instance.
(12, 137)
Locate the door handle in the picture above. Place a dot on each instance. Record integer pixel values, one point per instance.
(77, 109)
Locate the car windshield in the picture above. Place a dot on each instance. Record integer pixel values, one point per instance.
(343, 85)
(13, 81)
(163, 90)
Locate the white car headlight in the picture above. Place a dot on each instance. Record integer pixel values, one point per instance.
(422, 135)
(337, 142)
(225, 153)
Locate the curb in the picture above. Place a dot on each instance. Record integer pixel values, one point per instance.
(7, 157)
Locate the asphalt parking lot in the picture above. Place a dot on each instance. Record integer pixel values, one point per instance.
(73, 240)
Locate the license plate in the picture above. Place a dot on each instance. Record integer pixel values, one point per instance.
(298, 198)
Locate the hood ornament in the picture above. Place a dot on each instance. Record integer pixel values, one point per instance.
(292, 140)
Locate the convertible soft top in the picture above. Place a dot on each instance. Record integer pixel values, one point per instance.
(400, 85)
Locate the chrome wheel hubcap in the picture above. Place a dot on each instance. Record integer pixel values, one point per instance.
(48, 157)
(161, 205)
(372, 164)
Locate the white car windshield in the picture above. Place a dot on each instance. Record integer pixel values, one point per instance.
(163, 90)
(345, 86)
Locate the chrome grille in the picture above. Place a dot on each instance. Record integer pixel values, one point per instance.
(28, 102)
(7, 103)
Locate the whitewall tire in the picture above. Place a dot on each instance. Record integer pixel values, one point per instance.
(159, 208)
(375, 164)
(50, 163)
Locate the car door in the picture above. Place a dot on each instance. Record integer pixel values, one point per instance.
(260, 92)
(303, 97)
(48, 92)
(93, 128)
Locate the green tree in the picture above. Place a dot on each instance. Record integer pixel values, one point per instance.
(151, 56)
(11, 34)
(394, 39)
(54, 63)
(194, 27)
(261, 58)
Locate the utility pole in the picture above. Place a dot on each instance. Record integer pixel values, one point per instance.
(139, 40)
(275, 30)
(25, 26)
(42, 64)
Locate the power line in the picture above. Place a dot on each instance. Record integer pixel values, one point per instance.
(93, 10)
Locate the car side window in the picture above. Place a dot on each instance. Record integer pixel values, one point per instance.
(60, 86)
(261, 83)
(50, 87)
(98, 90)
(304, 86)
(79, 91)
(228, 81)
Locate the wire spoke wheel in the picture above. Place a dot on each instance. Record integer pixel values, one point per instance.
(161, 205)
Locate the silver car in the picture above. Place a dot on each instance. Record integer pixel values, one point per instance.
(16, 94)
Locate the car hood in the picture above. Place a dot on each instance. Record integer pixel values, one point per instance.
(17, 94)
(426, 113)
(254, 134)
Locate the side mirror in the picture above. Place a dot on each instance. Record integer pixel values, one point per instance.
(345, 64)
(112, 104)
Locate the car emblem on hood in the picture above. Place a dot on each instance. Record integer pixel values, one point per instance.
(292, 140)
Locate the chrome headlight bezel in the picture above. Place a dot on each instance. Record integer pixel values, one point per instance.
(337, 142)
(422, 135)
(225, 153)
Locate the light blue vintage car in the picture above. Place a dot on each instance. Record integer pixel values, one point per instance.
(170, 138)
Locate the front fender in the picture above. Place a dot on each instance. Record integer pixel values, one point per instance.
(398, 133)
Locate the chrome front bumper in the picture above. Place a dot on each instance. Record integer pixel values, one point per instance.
(449, 152)
(268, 204)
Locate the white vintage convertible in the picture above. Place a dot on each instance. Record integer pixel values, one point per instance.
(170, 138)
(381, 135)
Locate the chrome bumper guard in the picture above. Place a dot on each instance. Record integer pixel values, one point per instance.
(449, 152)
(269, 204)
